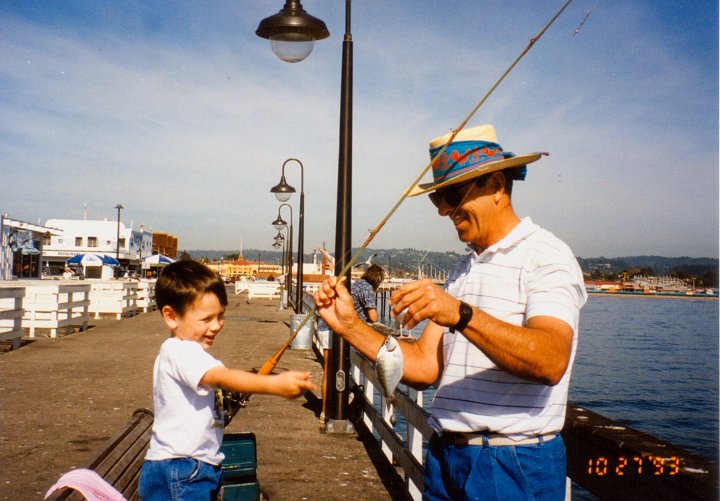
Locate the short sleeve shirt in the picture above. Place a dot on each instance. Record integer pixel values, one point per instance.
(363, 296)
(186, 422)
(528, 273)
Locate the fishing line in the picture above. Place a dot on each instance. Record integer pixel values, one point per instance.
(270, 364)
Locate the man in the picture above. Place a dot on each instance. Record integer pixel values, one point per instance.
(501, 335)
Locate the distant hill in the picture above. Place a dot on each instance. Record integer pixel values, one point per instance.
(661, 265)
(407, 261)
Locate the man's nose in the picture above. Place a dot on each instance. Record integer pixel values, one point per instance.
(444, 209)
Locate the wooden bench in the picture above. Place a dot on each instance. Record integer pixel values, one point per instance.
(146, 295)
(112, 297)
(264, 290)
(11, 313)
(55, 307)
(120, 459)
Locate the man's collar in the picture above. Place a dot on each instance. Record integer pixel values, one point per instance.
(522, 230)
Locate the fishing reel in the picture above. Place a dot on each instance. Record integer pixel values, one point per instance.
(230, 402)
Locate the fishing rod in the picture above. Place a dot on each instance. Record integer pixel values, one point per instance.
(271, 362)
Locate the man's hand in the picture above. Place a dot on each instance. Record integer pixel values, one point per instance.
(423, 299)
(335, 305)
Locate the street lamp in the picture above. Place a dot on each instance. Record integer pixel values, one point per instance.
(119, 207)
(283, 191)
(292, 32)
(284, 27)
(279, 242)
(279, 224)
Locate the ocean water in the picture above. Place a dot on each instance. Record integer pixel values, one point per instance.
(651, 364)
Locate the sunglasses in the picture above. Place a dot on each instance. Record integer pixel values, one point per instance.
(452, 196)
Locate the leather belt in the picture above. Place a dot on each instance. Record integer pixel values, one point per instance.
(490, 439)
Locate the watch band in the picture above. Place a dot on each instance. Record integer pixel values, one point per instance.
(466, 314)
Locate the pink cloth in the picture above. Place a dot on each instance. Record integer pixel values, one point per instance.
(89, 484)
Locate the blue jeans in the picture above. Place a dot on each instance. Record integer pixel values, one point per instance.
(185, 479)
(519, 472)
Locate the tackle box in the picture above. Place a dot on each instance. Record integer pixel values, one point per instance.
(240, 467)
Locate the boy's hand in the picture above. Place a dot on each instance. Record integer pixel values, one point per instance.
(292, 384)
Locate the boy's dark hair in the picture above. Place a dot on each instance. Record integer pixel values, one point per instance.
(183, 282)
(374, 275)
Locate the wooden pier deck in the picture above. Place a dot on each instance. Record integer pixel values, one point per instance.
(61, 399)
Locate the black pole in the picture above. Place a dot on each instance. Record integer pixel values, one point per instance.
(289, 264)
(338, 390)
(284, 261)
(301, 233)
(117, 241)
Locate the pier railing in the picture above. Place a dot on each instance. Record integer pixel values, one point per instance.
(404, 450)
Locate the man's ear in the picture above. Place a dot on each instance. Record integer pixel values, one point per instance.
(497, 185)
(497, 181)
(170, 317)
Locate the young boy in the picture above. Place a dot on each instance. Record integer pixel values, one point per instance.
(184, 458)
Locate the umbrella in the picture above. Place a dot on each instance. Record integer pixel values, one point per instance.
(158, 260)
(92, 260)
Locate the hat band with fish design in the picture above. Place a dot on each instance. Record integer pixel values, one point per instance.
(463, 156)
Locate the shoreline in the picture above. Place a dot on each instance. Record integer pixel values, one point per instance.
(704, 297)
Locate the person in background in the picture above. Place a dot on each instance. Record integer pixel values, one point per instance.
(67, 274)
(363, 293)
(501, 335)
(184, 458)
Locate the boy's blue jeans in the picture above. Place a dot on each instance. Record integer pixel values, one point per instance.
(185, 479)
(520, 472)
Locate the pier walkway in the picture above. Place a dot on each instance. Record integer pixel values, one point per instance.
(61, 399)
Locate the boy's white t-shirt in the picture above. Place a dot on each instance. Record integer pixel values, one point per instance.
(186, 422)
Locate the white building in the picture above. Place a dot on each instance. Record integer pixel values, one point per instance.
(21, 247)
(82, 236)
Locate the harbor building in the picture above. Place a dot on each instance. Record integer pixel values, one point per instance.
(243, 269)
(21, 247)
(102, 237)
(165, 244)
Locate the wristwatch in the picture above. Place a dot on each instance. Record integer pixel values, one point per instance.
(466, 314)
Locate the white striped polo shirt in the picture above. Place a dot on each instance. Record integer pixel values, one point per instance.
(528, 273)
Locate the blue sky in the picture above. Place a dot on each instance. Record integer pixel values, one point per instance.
(179, 112)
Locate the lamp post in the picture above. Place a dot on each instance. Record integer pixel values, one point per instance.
(142, 242)
(285, 27)
(279, 224)
(283, 191)
(119, 207)
(279, 242)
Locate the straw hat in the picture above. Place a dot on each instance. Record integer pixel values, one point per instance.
(472, 153)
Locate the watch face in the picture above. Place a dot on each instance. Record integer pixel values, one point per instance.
(466, 313)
